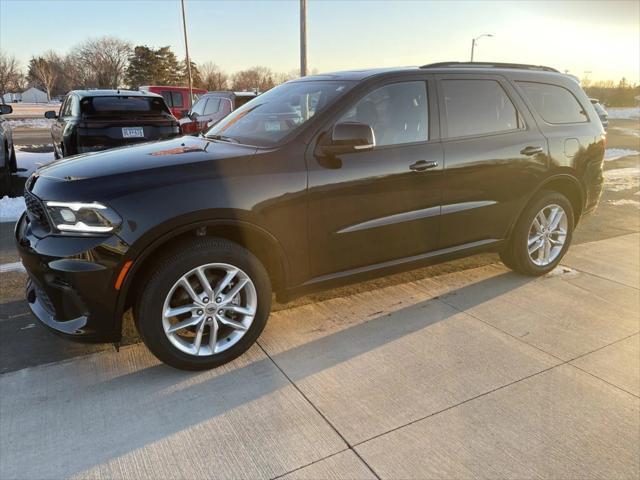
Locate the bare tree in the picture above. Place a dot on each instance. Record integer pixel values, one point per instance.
(10, 75)
(45, 70)
(212, 77)
(260, 78)
(105, 59)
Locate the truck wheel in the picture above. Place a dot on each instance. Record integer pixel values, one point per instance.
(205, 305)
(541, 236)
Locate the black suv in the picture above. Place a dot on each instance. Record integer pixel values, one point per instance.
(94, 120)
(322, 180)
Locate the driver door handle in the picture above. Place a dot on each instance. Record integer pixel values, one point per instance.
(531, 150)
(422, 165)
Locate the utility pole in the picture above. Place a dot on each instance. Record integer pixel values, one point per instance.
(303, 38)
(474, 41)
(186, 48)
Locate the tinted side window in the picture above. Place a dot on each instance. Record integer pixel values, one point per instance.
(66, 107)
(167, 98)
(554, 104)
(176, 98)
(213, 105)
(476, 107)
(75, 107)
(398, 113)
(198, 107)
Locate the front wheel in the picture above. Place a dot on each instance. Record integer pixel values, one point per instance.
(206, 305)
(541, 236)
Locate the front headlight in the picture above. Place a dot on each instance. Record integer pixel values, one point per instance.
(82, 217)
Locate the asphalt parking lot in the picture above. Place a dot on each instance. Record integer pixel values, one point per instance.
(455, 371)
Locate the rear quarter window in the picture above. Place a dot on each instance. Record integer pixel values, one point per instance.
(555, 104)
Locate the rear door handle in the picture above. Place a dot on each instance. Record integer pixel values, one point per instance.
(531, 150)
(422, 165)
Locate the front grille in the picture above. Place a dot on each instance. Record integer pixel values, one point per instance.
(35, 211)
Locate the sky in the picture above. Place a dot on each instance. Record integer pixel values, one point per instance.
(600, 37)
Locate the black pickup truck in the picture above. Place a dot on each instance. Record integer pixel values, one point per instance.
(94, 120)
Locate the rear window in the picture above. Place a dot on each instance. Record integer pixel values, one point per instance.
(96, 105)
(555, 104)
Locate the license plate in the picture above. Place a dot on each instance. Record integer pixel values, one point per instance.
(132, 132)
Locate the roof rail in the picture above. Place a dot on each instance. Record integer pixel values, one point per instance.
(522, 66)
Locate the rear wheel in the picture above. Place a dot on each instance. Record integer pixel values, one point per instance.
(541, 236)
(206, 305)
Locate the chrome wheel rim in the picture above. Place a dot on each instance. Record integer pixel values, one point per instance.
(209, 309)
(547, 235)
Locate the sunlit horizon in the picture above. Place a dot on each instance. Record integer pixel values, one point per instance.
(597, 40)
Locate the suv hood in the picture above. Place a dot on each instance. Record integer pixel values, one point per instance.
(181, 151)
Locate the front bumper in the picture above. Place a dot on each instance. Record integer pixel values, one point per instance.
(71, 281)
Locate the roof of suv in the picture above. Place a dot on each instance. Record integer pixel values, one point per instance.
(114, 93)
(441, 67)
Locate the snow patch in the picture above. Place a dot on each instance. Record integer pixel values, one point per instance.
(616, 153)
(626, 201)
(11, 208)
(627, 131)
(43, 123)
(620, 179)
(624, 113)
(562, 271)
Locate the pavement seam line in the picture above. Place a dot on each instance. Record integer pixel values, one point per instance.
(489, 392)
(605, 381)
(349, 446)
(457, 404)
(309, 464)
(555, 356)
(502, 331)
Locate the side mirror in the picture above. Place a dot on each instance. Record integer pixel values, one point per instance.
(51, 114)
(5, 109)
(193, 115)
(184, 114)
(350, 137)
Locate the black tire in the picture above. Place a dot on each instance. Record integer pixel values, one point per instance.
(5, 173)
(516, 255)
(187, 256)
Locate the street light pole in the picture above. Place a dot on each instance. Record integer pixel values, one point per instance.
(186, 48)
(474, 41)
(303, 38)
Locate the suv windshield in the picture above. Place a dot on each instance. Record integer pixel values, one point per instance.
(267, 119)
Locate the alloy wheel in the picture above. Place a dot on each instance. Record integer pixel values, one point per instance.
(547, 235)
(209, 309)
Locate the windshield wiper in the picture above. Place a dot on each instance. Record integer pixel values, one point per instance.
(222, 138)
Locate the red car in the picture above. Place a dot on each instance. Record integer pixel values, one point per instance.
(211, 108)
(177, 98)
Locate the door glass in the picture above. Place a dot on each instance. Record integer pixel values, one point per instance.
(167, 98)
(554, 104)
(398, 113)
(199, 106)
(176, 98)
(213, 105)
(476, 107)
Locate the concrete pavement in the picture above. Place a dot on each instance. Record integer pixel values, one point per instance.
(480, 373)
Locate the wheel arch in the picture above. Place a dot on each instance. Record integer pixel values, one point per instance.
(563, 182)
(260, 242)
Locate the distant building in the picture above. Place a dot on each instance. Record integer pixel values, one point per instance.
(11, 97)
(33, 95)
